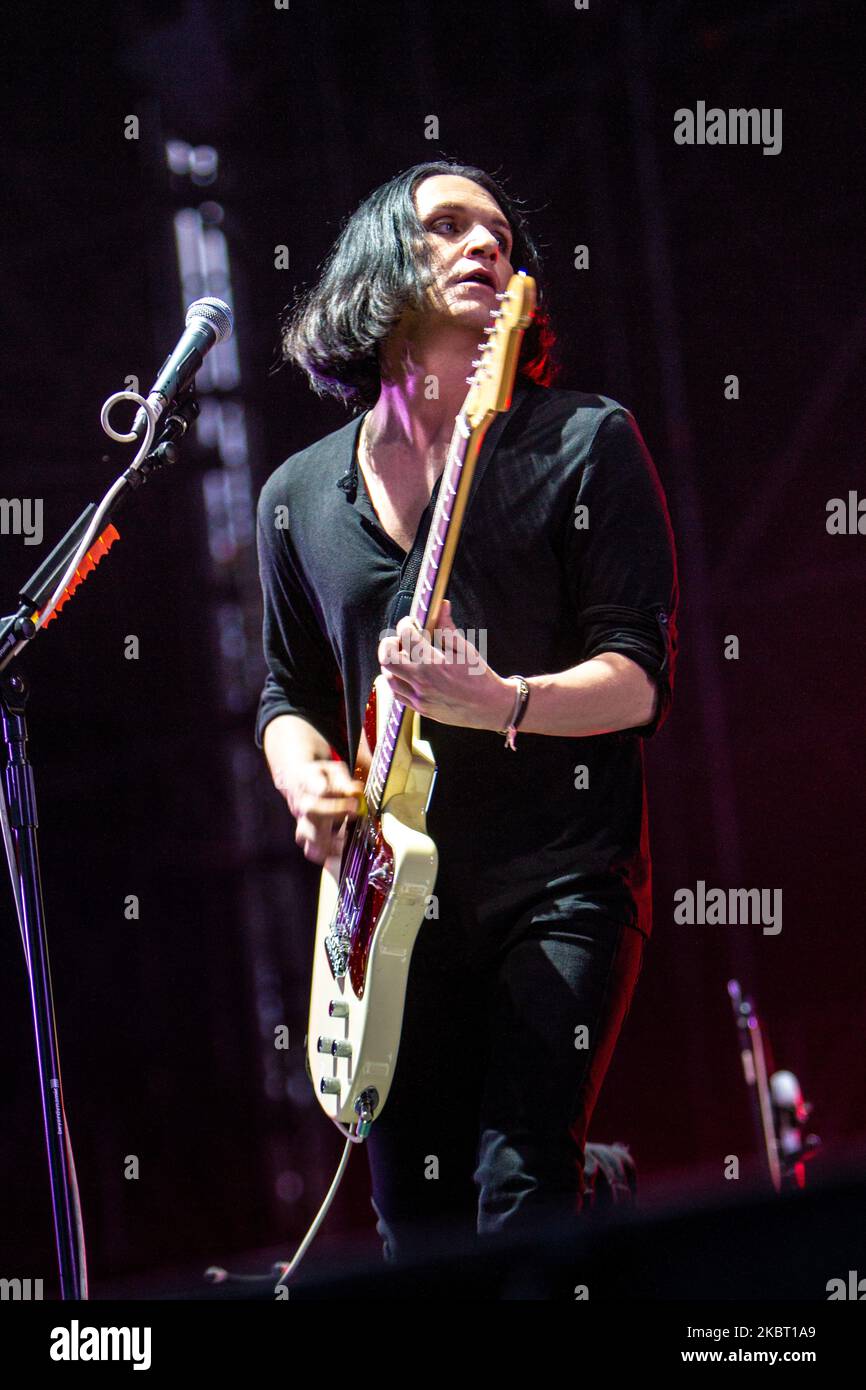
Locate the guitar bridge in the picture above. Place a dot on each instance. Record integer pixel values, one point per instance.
(337, 947)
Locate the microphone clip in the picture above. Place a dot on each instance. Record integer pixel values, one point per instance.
(174, 426)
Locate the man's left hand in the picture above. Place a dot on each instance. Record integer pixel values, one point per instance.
(447, 679)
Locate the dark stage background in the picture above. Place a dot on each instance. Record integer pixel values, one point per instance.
(704, 261)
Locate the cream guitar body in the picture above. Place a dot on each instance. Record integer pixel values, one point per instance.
(364, 941)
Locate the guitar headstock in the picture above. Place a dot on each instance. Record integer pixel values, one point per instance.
(493, 381)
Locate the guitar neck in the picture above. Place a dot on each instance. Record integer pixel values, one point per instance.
(433, 576)
(490, 391)
(447, 523)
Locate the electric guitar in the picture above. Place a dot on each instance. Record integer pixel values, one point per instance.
(373, 896)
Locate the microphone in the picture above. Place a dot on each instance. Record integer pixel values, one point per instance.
(208, 322)
(348, 483)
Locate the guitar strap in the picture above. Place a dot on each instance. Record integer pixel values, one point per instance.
(402, 601)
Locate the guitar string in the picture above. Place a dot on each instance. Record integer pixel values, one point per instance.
(358, 846)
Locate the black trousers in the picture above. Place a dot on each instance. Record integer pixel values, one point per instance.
(506, 1041)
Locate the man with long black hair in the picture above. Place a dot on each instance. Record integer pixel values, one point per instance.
(562, 605)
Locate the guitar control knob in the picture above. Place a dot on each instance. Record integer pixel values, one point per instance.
(341, 1049)
(329, 1086)
(324, 1044)
(338, 1009)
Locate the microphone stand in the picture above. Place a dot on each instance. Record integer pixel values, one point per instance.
(777, 1105)
(18, 815)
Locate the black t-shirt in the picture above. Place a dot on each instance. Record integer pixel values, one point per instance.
(566, 551)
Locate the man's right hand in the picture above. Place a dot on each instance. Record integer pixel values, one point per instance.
(322, 796)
